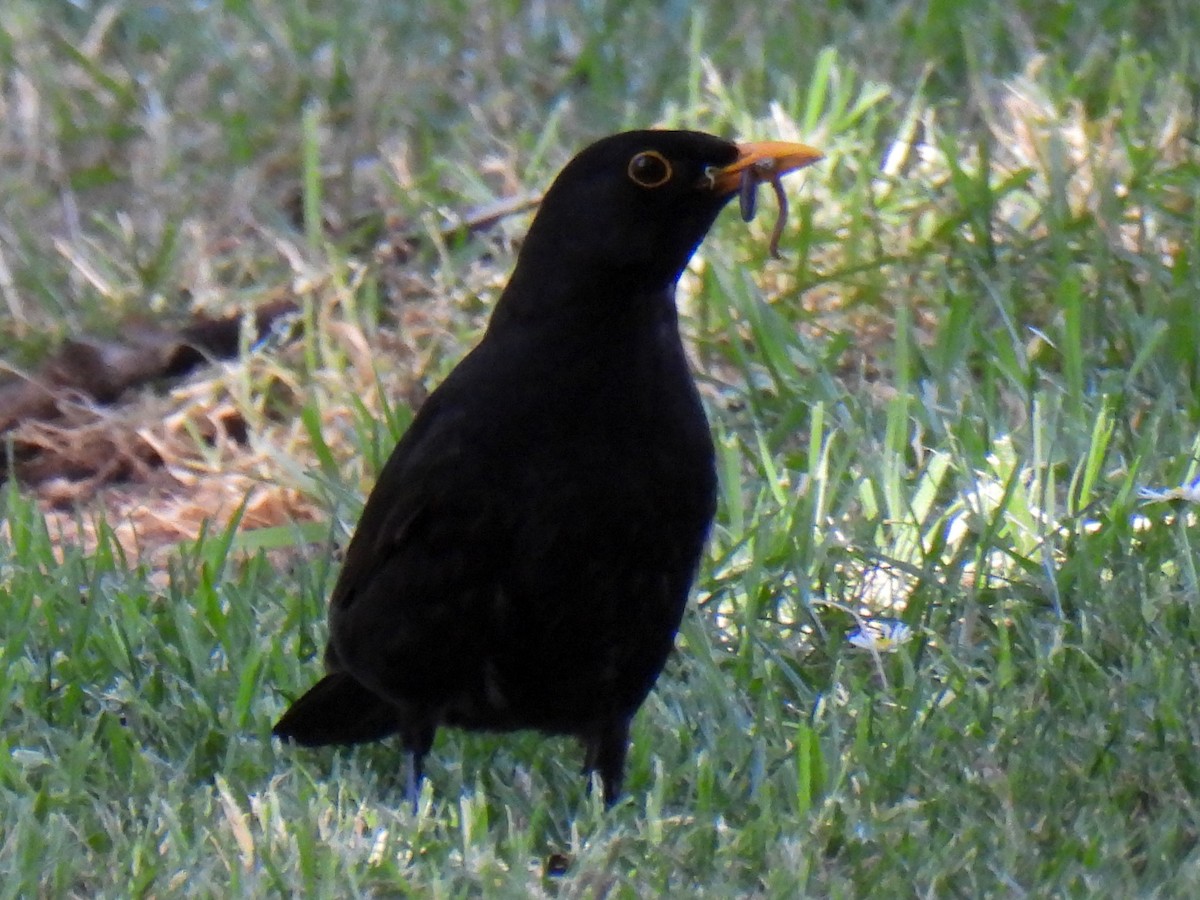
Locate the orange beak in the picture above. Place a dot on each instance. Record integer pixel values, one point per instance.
(770, 159)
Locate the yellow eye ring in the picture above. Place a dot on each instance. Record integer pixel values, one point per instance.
(649, 169)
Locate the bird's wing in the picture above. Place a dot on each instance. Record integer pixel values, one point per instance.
(426, 558)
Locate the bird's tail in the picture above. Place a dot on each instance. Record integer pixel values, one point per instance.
(338, 710)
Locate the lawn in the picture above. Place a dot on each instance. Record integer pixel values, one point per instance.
(966, 398)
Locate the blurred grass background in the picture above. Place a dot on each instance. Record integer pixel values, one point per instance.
(940, 406)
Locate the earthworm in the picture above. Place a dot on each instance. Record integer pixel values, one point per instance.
(781, 220)
(748, 192)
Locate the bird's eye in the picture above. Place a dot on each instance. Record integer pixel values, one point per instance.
(649, 169)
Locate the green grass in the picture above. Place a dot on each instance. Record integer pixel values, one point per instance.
(939, 406)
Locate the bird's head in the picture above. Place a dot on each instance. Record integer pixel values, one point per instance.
(630, 210)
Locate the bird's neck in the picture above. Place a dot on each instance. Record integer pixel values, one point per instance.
(602, 302)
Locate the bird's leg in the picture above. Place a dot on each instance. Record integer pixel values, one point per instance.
(605, 754)
(417, 742)
(412, 781)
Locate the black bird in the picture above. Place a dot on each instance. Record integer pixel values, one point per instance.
(526, 555)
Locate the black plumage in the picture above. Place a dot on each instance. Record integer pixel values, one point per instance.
(525, 558)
